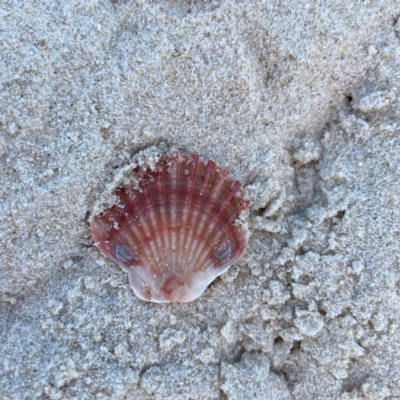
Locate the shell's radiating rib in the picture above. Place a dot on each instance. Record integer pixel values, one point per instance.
(177, 231)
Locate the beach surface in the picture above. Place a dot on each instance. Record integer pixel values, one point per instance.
(299, 100)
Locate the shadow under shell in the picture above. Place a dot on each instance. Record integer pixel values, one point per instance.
(178, 232)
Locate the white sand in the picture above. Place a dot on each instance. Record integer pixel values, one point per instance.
(300, 100)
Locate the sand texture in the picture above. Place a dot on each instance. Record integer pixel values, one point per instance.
(300, 100)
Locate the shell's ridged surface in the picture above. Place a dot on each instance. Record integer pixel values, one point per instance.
(177, 233)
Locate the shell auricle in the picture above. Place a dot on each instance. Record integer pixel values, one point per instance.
(177, 229)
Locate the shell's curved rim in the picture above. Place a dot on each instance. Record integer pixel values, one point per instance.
(148, 159)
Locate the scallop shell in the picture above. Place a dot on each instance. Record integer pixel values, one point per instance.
(177, 231)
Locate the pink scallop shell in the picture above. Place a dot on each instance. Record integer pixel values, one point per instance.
(178, 231)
